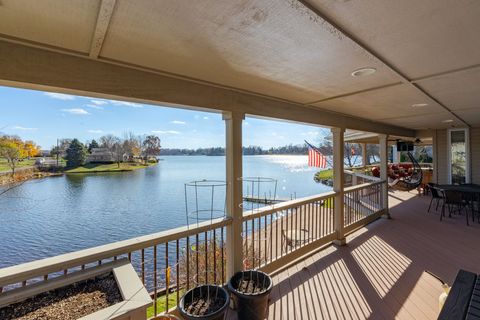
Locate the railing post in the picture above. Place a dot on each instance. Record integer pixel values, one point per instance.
(339, 183)
(364, 155)
(233, 155)
(383, 141)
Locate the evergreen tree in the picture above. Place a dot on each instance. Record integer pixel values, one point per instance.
(93, 144)
(76, 154)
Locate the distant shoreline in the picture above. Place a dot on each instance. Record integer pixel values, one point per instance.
(108, 168)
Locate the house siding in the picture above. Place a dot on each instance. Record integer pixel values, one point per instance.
(475, 154)
(442, 156)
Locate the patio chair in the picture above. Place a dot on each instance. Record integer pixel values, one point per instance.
(294, 238)
(454, 201)
(436, 195)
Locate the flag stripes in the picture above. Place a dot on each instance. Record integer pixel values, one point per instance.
(316, 159)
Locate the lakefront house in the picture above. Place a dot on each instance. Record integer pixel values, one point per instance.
(101, 155)
(400, 71)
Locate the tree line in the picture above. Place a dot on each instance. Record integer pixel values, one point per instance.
(13, 149)
(129, 148)
(248, 151)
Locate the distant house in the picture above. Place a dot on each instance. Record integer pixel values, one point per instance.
(44, 153)
(101, 155)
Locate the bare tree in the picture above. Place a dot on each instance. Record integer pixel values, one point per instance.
(132, 145)
(351, 153)
(119, 152)
(151, 147)
(109, 142)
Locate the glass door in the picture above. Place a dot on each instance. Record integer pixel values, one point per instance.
(458, 156)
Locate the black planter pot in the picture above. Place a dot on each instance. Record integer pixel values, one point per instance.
(251, 306)
(204, 291)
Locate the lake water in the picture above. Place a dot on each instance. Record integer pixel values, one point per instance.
(47, 217)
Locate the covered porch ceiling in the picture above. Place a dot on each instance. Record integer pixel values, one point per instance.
(288, 59)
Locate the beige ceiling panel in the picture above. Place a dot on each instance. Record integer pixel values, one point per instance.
(425, 121)
(277, 48)
(471, 115)
(394, 101)
(419, 37)
(61, 23)
(458, 91)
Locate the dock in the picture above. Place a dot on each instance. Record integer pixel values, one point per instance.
(264, 200)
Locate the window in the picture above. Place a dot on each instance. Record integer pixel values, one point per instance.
(458, 156)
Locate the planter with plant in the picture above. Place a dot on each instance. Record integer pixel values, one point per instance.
(251, 289)
(204, 302)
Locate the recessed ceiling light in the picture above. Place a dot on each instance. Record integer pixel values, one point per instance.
(363, 72)
(419, 105)
(447, 121)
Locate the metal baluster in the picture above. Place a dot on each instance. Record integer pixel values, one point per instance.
(265, 239)
(177, 270)
(196, 257)
(155, 280)
(271, 237)
(214, 256)
(167, 276)
(259, 241)
(253, 243)
(143, 266)
(246, 239)
(206, 257)
(223, 258)
(188, 262)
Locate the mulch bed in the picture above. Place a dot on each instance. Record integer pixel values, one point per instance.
(67, 303)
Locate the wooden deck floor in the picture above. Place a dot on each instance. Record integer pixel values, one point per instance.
(380, 274)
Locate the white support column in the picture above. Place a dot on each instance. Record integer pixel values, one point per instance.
(338, 183)
(364, 154)
(233, 155)
(383, 140)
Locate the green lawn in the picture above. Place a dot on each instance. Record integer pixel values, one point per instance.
(324, 174)
(110, 167)
(161, 303)
(24, 163)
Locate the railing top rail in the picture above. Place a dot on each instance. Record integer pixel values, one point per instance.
(361, 175)
(285, 205)
(29, 270)
(363, 185)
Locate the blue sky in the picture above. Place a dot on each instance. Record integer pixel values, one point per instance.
(43, 117)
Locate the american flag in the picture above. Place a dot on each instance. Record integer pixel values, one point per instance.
(316, 158)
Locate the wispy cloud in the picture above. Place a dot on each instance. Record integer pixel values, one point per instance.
(178, 122)
(206, 118)
(165, 132)
(94, 106)
(60, 96)
(76, 111)
(24, 128)
(310, 133)
(95, 131)
(126, 104)
(99, 102)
